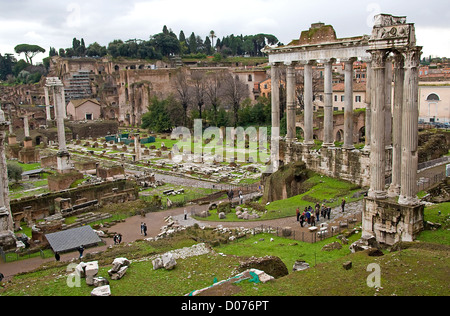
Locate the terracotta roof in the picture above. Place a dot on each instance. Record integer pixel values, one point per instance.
(360, 87)
(79, 102)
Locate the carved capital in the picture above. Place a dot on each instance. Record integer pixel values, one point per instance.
(412, 57)
(379, 57)
(399, 60)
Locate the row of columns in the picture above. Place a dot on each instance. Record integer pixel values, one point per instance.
(404, 127)
(384, 127)
(57, 88)
(308, 101)
(55, 94)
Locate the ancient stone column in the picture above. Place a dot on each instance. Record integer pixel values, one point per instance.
(63, 156)
(26, 126)
(275, 95)
(63, 100)
(137, 147)
(348, 110)
(290, 102)
(399, 76)
(328, 111)
(388, 104)
(368, 120)
(47, 104)
(6, 221)
(275, 133)
(308, 102)
(377, 139)
(410, 111)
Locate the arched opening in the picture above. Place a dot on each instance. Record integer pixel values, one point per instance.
(116, 68)
(339, 135)
(433, 97)
(362, 134)
(299, 133)
(38, 140)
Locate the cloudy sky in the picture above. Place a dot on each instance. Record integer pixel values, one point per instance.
(55, 23)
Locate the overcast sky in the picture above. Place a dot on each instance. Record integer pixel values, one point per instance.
(51, 23)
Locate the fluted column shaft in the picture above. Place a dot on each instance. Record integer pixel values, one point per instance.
(275, 133)
(47, 104)
(290, 102)
(399, 76)
(275, 95)
(388, 104)
(368, 121)
(137, 147)
(26, 126)
(377, 141)
(348, 105)
(59, 111)
(328, 113)
(308, 102)
(7, 224)
(408, 189)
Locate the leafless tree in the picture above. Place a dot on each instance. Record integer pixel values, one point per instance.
(300, 84)
(199, 89)
(213, 84)
(234, 92)
(184, 91)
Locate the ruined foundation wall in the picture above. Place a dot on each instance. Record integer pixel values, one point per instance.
(46, 204)
(336, 162)
(391, 222)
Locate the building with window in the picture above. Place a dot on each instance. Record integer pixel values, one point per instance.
(434, 102)
(84, 109)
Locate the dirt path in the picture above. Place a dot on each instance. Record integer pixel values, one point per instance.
(130, 230)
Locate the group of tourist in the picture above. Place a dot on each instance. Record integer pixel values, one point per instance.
(231, 196)
(310, 215)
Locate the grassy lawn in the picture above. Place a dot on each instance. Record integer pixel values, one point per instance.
(441, 235)
(190, 193)
(323, 188)
(420, 269)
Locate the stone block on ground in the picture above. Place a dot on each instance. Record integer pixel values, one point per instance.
(101, 291)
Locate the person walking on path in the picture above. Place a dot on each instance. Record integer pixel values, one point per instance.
(185, 214)
(142, 227)
(145, 229)
(81, 250)
(298, 214)
(343, 205)
(57, 256)
(302, 219)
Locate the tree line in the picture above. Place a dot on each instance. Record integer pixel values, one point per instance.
(167, 43)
